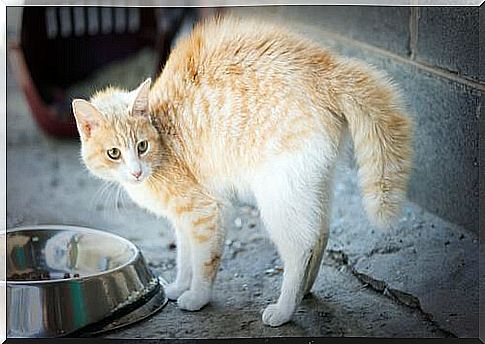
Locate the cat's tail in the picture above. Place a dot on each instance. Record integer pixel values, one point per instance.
(381, 134)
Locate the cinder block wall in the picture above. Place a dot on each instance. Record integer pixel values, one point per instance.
(433, 55)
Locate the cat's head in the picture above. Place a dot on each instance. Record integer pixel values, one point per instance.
(118, 141)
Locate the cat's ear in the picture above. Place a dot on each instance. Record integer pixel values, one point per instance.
(87, 117)
(139, 105)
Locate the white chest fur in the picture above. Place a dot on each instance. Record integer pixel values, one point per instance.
(147, 198)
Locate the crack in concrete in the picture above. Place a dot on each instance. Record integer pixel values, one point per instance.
(389, 249)
(342, 259)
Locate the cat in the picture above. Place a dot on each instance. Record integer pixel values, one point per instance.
(248, 107)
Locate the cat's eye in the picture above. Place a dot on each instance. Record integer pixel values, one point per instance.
(142, 146)
(114, 153)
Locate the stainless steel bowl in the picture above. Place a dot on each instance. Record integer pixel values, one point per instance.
(61, 279)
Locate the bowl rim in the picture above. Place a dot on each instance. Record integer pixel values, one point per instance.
(135, 257)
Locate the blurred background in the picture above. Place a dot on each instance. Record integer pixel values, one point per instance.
(419, 279)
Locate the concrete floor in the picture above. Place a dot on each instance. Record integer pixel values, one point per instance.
(419, 279)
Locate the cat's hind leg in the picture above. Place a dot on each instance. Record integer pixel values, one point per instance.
(294, 205)
(315, 260)
(184, 266)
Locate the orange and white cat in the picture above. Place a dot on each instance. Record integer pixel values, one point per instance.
(249, 108)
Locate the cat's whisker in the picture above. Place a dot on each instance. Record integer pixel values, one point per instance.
(99, 193)
(123, 199)
(111, 201)
(106, 195)
(118, 204)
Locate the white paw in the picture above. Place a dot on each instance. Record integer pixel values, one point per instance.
(193, 300)
(174, 290)
(274, 315)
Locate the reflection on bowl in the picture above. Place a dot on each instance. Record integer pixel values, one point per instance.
(51, 255)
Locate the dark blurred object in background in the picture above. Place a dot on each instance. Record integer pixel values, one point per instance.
(69, 52)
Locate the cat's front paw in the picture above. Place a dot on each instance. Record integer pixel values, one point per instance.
(274, 315)
(193, 300)
(174, 290)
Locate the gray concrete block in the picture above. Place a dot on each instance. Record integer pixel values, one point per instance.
(448, 38)
(381, 26)
(445, 178)
(481, 37)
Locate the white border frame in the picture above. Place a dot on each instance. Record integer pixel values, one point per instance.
(138, 3)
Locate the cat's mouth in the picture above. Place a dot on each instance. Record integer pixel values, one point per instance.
(134, 180)
(137, 181)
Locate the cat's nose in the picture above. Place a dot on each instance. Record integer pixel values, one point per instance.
(136, 174)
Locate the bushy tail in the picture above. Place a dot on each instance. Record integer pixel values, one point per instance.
(381, 134)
